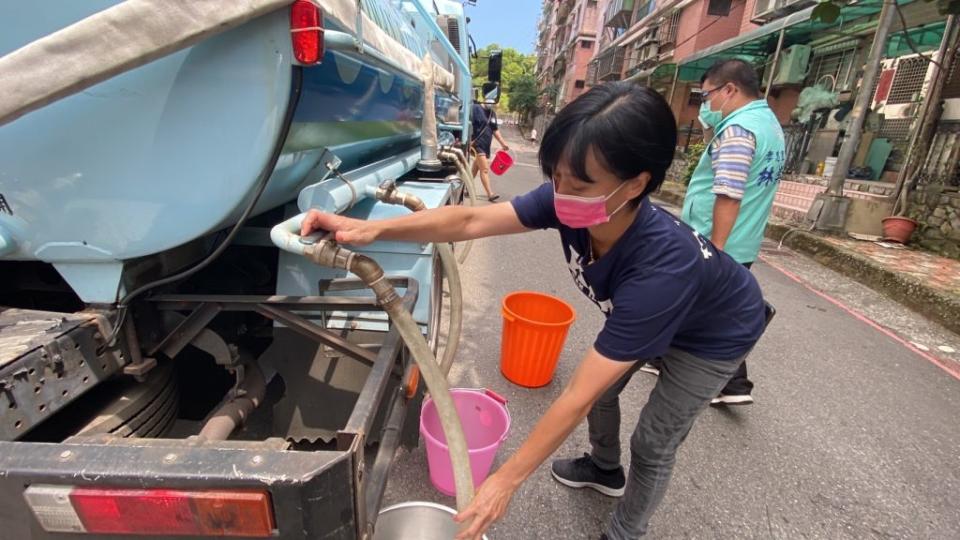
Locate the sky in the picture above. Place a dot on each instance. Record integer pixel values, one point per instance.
(509, 23)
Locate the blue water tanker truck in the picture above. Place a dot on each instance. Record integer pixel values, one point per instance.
(175, 359)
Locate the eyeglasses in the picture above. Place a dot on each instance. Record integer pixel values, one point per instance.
(704, 94)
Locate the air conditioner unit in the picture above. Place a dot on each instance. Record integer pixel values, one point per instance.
(763, 8)
(902, 84)
(767, 10)
(792, 67)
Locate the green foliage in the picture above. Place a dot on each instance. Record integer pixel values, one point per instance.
(826, 12)
(692, 157)
(523, 95)
(515, 65)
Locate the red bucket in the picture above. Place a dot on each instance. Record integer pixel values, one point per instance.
(501, 162)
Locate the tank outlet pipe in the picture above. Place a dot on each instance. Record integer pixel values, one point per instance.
(237, 406)
(340, 192)
(391, 195)
(428, 127)
(388, 193)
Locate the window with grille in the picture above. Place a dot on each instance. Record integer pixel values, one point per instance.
(653, 33)
(835, 64)
(670, 28)
(644, 10)
(908, 81)
(610, 63)
(648, 52)
(632, 56)
(592, 73)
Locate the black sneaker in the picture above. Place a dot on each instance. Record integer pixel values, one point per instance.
(583, 473)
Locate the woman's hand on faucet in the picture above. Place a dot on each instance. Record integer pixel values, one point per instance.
(345, 230)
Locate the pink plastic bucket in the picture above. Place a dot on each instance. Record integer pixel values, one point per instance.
(486, 423)
(501, 162)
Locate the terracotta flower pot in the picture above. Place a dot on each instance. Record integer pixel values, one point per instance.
(898, 228)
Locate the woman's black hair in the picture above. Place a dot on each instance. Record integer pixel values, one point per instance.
(630, 127)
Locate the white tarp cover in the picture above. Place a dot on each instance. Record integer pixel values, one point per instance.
(136, 32)
(345, 11)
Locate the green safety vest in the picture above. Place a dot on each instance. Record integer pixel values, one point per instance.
(743, 243)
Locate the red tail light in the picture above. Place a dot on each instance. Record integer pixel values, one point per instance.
(152, 512)
(306, 31)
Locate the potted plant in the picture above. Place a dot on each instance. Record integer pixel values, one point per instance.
(898, 228)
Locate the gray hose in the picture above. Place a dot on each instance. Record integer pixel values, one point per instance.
(458, 158)
(452, 273)
(465, 171)
(450, 270)
(327, 253)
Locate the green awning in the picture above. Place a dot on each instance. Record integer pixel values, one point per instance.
(759, 44)
(925, 38)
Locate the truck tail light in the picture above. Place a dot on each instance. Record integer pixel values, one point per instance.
(152, 512)
(306, 31)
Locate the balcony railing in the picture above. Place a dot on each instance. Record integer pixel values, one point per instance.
(610, 64)
(618, 14)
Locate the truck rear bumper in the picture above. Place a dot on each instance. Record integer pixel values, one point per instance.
(312, 493)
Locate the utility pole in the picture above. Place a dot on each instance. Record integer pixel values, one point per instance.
(864, 97)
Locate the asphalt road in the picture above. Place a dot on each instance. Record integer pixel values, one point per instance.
(855, 432)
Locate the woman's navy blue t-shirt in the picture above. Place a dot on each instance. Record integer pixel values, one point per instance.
(661, 285)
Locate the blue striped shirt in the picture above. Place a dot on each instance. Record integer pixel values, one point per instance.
(731, 155)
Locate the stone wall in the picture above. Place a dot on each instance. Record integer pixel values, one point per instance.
(937, 209)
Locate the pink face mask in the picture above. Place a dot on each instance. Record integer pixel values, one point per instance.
(582, 212)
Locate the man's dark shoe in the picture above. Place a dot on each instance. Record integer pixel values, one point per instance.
(583, 473)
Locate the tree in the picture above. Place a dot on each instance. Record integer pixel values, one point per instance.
(515, 64)
(524, 96)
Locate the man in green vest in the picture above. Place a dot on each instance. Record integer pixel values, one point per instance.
(731, 192)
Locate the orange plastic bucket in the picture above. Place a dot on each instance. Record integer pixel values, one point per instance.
(535, 326)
